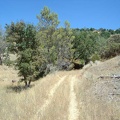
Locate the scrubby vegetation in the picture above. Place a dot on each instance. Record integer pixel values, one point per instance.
(46, 47)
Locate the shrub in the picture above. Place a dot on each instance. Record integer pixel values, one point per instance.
(95, 57)
(112, 48)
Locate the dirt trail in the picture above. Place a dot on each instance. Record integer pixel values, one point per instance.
(62, 98)
(41, 111)
(73, 110)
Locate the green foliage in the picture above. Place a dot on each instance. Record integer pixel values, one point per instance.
(64, 39)
(95, 57)
(22, 41)
(105, 33)
(8, 62)
(117, 31)
(112, 47)
(85, 44)
(3, 45)
(47, 19)
(88, 42)
(48, 22)
(6, 58)
(55, 43)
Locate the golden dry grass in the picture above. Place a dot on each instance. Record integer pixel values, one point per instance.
(95, 103)
(73, 95)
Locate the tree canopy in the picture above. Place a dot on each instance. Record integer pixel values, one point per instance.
(22, 41)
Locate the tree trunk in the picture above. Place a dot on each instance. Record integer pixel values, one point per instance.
(29, 83)
(26, 84)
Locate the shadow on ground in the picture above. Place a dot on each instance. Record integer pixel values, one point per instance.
(17, 89)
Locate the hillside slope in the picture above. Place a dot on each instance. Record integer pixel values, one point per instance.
(73, 95)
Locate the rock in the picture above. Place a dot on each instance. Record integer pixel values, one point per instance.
(97, 62)
(87, 66)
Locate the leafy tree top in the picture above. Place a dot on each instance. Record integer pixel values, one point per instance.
(47, 19)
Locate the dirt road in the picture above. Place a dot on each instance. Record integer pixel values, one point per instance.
(61, 103)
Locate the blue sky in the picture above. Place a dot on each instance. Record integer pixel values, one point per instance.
(80, 13)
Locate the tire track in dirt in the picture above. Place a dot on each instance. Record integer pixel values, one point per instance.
(41, 111)
(73, 110)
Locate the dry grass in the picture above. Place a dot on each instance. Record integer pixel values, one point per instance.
(8, 74)
(24, 105)
(58, 109)
(92, 107)
(95, 103)
(49, 98)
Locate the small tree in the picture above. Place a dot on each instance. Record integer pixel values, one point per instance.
(63, 43)
(48, 22)
(22, 41)
(55, 43)
(112, 47)
(85, 44)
